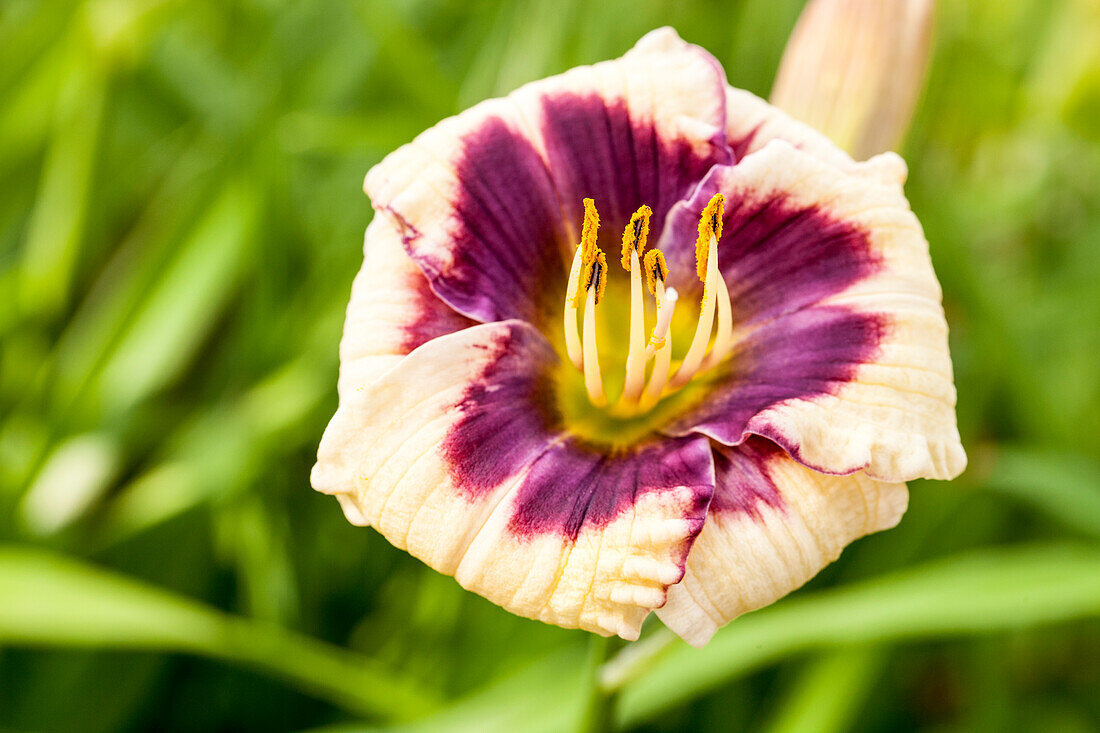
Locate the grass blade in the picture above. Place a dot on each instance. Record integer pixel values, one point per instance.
(1065, 486)
(49, 600)
(56, 229)
(980, 593)
(186, 301)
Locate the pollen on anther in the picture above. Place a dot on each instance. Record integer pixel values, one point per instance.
(636, 234)
(587, 251)
(710, 224)
(656, 269)
(595, 275)
(589, 229)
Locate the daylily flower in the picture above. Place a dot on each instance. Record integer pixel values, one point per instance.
(630, 339)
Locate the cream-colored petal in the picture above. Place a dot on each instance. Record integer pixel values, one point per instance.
(782, 523)
(751, 123)
(392, 310)
(895, 418)
(606, 580)
(448, 456)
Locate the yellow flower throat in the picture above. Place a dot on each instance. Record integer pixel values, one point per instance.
(587, 285)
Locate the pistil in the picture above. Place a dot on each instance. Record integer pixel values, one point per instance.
(656, 270)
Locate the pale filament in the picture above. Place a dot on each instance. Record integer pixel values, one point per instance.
(592, 380)
(572, 335)
(636, 357)
(694, 357)
(723, 339)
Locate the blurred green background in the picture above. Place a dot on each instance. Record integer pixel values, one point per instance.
(180, 220)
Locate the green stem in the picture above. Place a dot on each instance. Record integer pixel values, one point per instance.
(598, 713)
(634, 660)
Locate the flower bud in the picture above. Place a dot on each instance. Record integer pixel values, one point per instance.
(854, 69)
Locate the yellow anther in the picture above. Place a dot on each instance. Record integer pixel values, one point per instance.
(587, 252)
(636, 234)
(595, 275)
(589, 229)
(710, 224)
(656, 269)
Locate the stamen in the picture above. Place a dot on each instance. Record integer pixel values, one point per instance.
(588, 276)
(584, 255)
(634, 241)
(595, 283)
(706, 266)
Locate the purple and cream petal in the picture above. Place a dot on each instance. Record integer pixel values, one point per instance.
(641, 129)
(592, 540)
(392, 311)
(456, 456)
(488, 203)
(841, 354)
(773, 524)
(475, 208)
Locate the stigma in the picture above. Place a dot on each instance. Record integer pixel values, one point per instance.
(649, 370)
